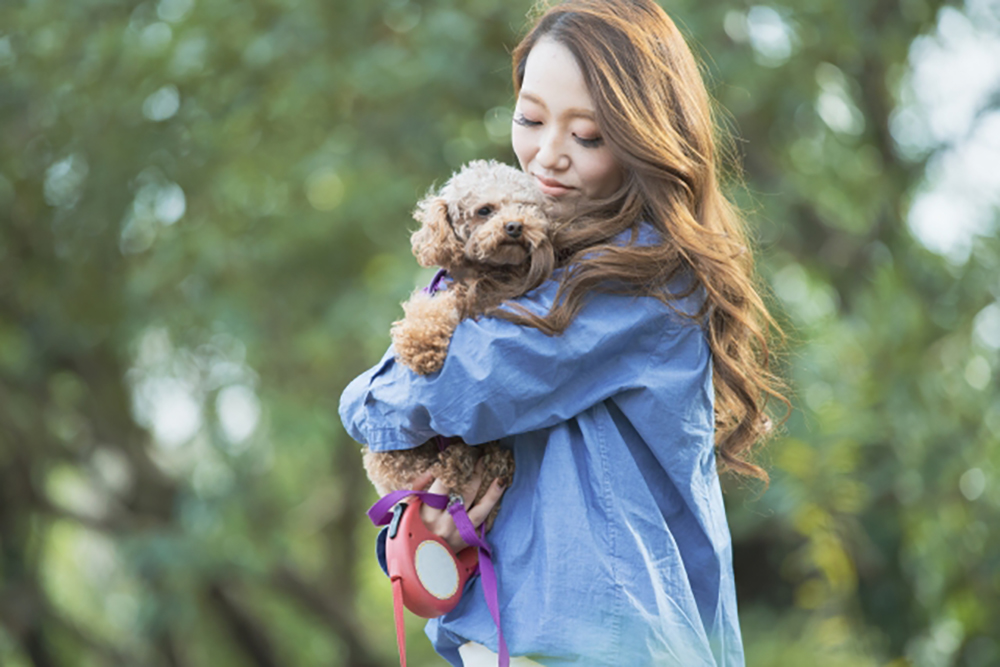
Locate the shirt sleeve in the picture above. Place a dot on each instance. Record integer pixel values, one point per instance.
(501, 379)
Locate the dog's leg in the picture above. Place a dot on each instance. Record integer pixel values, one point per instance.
(421, 338)
(391, 471)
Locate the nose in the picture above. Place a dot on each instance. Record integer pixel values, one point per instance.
(550, 155)
(513, 229)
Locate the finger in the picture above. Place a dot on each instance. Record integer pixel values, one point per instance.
(472, 486)
(486, 504)
(423, 480)
(428, 513)
(438, 487)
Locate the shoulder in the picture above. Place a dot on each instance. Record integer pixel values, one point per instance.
(684, 295)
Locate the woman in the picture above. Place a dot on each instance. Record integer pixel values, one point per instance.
(621, 383)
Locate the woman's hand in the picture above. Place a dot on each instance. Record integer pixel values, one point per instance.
(440, 522)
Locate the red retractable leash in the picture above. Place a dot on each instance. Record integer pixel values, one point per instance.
(427, 576)
(431, 577)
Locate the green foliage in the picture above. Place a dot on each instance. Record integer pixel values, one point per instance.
(204, 215)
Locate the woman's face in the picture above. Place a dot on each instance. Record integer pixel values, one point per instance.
(555, 134)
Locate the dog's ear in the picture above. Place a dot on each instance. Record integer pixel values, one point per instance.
(542, 263)
(434, 244)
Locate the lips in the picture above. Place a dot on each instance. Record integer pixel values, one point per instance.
(551, 187)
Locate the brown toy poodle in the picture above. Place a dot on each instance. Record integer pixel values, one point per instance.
(488, 229)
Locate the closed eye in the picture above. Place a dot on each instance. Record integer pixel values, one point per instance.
(594, 142)
(589, 143)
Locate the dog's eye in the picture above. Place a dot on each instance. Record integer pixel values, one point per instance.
(484, 211)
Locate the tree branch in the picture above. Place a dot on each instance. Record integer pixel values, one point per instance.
(325, 607)
(247, 632)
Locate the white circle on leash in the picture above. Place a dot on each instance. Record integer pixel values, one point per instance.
(436, 569)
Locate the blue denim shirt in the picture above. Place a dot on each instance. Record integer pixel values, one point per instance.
(611, 546)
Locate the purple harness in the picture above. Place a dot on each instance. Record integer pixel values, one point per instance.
(435, 284)
(381, 514)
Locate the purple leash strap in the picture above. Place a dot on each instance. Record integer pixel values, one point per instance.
(468, 532)
(381, 512)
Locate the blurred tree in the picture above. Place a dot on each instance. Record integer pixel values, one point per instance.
(880, 498)
(203, 231)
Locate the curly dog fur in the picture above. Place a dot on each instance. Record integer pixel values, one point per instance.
(488, 228)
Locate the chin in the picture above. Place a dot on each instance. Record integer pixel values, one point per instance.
(564, 206)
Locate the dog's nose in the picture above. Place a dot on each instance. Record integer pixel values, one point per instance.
(513, 229)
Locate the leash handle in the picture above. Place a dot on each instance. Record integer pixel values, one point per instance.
(381, 513)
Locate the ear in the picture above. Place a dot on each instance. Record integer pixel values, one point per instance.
(434, 243)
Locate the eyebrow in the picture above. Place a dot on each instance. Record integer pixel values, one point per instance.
(571, 112)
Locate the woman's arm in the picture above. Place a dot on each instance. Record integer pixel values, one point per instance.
(500, 379)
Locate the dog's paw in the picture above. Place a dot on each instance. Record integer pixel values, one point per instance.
(422, 337)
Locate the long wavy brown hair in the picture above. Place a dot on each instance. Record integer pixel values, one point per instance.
(657, 117)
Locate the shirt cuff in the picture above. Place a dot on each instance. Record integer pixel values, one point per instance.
(380, 549)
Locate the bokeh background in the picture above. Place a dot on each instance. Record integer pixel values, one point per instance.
(204, 215)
